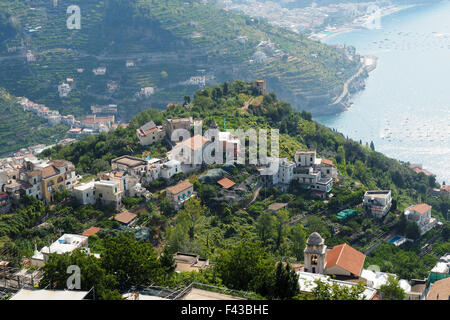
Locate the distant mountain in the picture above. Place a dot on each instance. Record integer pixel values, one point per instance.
(176, 47)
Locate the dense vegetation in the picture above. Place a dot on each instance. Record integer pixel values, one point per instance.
(242, 239)
(169, 41)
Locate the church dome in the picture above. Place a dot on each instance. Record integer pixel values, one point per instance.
(315, 239)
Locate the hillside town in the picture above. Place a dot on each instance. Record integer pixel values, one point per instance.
(130, 177)
(101, 120)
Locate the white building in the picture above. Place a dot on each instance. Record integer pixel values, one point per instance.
(67, 243)
(30, 57)
(305, 158)
(230, 145)
(180, 193)
(310, 178)
(278, 171)
(170, 168)
(108, 193)
(377, 279)
(146, 92)
(378, 202)
(53, 295)
(149, 133)
(101, 71)
(306, 281)
(327, 168)
(191, 152)
(314, 173)
(421, 215)
(285, 171)
(85, 193)
(64, 90)
(153, 170)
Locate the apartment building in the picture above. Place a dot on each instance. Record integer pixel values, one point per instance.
(108, 193)
(377, 202)
(421, 215)
(149, 133)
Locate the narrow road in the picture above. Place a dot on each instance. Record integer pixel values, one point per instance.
(367, 64)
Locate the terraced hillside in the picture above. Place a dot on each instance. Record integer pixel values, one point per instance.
(169, 42)
(20, 129)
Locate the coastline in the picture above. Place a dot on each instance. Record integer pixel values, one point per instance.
(361, 23)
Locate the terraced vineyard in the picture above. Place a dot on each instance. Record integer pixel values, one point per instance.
(21, 129)
(179, 38)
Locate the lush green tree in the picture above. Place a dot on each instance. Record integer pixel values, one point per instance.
(412, 230)
(167, 262)
(133, 263)
(167, 207)
(298, 238)
(334, 291)
(315, 224)
(392, 290)
(286, 282)
(265, 226)
(247, 266)
(191, 216)
(92, 274)
(282, 226)
(340, 157)
(186, 100)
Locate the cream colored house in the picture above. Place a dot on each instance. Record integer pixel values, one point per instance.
(180, 193)
(108, 193)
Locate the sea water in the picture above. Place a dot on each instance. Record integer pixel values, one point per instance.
(405, 107)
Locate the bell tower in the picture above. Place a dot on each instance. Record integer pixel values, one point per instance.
(315, 254)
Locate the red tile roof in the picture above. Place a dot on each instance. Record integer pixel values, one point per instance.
(125, 217)
(347, 258)
(91, 231)
(226, 183)
(421, 208)
(49, 171)
(183, 185)
(424, 171)
(440, 290)
(328, 162)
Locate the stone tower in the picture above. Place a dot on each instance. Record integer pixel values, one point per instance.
(315, 254)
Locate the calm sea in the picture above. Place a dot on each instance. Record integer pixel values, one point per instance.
(405, 108)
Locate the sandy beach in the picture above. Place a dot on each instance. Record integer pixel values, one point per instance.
(362, 22)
